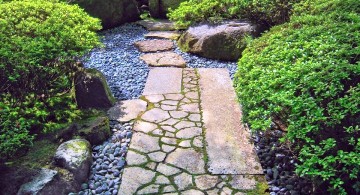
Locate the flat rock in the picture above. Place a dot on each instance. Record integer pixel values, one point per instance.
(189, 132)
(163, 81)
(154, 45)
(192, 192)
(228, 142)
(144, 127)
(187, 159)
(173, 35)
(158, 25)
(127, 110)
(38, 183)
(167, 170)
(183, 181)
(164, 59)
(133, 158)
(204, 182)
(144, 143)
(130, 184)
(246, 182)
(155, 115)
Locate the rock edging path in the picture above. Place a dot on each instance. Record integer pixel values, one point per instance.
(168, 151)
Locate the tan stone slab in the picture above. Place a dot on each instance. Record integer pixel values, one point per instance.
(228, 142)
(173, 35)
(144, 143)
(130, 184)
(187, 159)
(127, 110)
(164, 59)
(157, 25)
(246, 182)
(163, 81)
(155, 115)
(154, 45)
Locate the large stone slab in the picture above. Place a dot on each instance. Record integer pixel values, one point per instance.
(163, 80)
(127, 110)
(229, 148)
(157, 25)
(133, 178)
(154, 45)
(187, 159)
(173, 35)
(164, 59)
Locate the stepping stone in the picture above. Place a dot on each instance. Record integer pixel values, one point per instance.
(228, 142)
(157, 25)
(173, 35)
(127, 110)
(163, 80)
(130, 184)
(154, 45)
(164, 59)
(187, 159)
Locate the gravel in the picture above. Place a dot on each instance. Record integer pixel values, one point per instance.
(119, 61)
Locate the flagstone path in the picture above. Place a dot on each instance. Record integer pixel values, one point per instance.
(189, 138)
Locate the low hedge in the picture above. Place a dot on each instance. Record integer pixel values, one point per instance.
(266, 12)
(39, 44)
(305, 75)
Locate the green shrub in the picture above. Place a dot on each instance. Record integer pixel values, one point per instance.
(40, 41)
(306, 74)
(267, 12)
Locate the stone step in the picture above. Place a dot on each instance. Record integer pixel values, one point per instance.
(173, 35)
(157, 25)
(164, 59)
(154, 45)
(163, 81)
(228, 142)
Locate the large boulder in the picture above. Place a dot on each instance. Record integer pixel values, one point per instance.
(159, 8)
(38, 183)
(75, 156)
(224, 41)
(92, 91)
(111, 12)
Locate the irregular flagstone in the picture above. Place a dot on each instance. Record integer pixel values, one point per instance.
(154, 98)
(158, 132)
(143, 126)
(167, 140)
(184, 124)
(187, 159)
(130, 184)
(185, 144)
(176, 97)
(162, 180)
(189, 132)
(183, 181)
(204, 182)
(155, 115)
(151, 165)
(167, 148)
(127, 110)
(151, 189)
(198, 142)
(225, 191)
(229, 148)
(158, 25)
(144, 143)
(194, 117)
(178, 114)
(167, 170)
(193, 107)
(170, 122)
(162, 81)
(168, 134)
(212, 192)
(173, 35)
(170, 102)
(157, 156)
(164, 59)
(169, 189)
(168, 108)
(192, 192)
(133, 158)
(154, 45)
(168, 128)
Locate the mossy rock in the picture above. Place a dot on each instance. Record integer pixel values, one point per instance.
(92, 91)
(111, 12)
(96, 130)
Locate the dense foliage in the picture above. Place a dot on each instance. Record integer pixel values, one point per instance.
(305, 74)
(267, 12)
(39, 40)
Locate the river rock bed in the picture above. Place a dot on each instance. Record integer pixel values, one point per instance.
(119, 61)
(279, 165)
(109, 161)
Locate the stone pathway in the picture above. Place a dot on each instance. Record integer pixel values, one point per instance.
(182, 144)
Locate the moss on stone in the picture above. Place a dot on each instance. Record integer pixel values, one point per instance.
(103, 80)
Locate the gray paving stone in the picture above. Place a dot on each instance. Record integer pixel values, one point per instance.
(130, 184)
(163, 81)
(191, 107)
(144, 143)
(154, 98)
(170, 122)
(133, 158)
(167, 148)
(158, 132)
(167, 140)
(183, 181)
(229, 148)
(204, 182)
(185, 144)
(174, 96)
(194, 117)
(178, 114)
(151, 165)
(184, 124)
(168, 128)
(188, 159)
(127, 110)
(164, 59)
(151, 189)
(192, 192)
(154, 45)
(155, 115)
(162, 180)
(168, 107)
(157, 156)
(173, 35)
(246, 182)
(169, 189)
(167, 170)
(198, 142)
(189, 132)
(143, 126)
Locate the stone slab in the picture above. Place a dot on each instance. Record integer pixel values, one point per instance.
(163, 81)
(154, 45)
(130, 184)
(173, 35)
(127, 110)
(228, 142)
(157, 25)
(164, 59)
